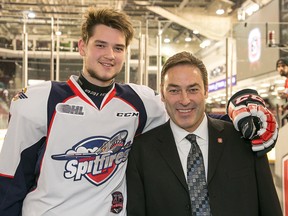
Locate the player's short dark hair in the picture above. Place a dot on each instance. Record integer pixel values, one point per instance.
(109, 17)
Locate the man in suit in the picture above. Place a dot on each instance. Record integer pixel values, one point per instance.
(238, 182)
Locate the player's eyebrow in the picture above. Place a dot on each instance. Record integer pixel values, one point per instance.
(104, 42)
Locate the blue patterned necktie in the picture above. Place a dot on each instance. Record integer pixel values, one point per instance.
(196, 180)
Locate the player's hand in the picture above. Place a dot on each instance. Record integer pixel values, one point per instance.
(250, 116)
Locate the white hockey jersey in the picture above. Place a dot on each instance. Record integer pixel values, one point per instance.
(64, 156)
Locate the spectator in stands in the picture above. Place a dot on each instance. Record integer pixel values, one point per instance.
(282, 68)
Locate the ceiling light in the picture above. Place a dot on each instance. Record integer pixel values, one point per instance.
(58, 33)
(252, 9)
(220, 11)
(188, 38)
(205, 43)
(167, 40)
(249, 7)
(31, 15)
(195, 32)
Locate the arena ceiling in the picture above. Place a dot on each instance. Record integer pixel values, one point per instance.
(174, 18)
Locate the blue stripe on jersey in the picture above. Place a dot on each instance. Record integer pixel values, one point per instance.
(25, 180)
(127, 93)
(59, 92)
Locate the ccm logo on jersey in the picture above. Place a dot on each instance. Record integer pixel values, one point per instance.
(70, 109)
(127, 114)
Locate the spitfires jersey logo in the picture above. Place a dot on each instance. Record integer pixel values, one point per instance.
(95, 158)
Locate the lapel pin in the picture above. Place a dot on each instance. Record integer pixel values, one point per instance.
(220, 140)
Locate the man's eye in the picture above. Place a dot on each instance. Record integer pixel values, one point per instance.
(173, 91)
(119, 49)
(193, 90)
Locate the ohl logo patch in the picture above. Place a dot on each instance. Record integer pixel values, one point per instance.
(95, 158)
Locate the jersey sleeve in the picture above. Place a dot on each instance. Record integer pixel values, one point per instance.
(23, 142)
(156, 113)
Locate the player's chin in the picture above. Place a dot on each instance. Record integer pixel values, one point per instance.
(108, 76)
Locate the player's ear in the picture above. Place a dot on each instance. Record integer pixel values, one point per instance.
(81, 47)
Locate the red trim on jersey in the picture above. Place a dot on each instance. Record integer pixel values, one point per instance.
(78, 93)
(110, 96)
(6, 176)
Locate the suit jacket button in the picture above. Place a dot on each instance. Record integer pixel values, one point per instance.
(187, 207)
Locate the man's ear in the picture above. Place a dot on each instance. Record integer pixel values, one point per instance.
(81, 47)
(206, 93)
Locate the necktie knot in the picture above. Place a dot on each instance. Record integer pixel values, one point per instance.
(191, 138)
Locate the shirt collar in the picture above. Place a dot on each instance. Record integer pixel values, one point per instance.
(201, 132)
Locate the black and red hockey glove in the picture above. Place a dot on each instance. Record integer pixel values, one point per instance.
(249, 114)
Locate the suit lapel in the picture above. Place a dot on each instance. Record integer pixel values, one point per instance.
(168, 150)
(216, 145)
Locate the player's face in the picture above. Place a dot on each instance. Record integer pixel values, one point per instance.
(103, 55)
(184, 96)
(282, 69)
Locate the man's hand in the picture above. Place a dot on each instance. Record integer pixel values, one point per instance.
(250, 116)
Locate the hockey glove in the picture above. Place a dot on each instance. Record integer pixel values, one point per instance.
(250, 116)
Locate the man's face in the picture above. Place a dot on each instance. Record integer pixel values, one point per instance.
(282, 69)
(184, 96)
(104, 55)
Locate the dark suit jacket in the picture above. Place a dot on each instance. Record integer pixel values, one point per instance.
(239, 183)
